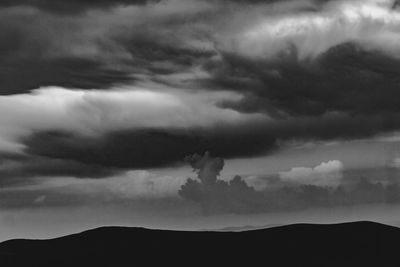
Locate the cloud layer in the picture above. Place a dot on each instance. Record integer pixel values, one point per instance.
(120, 85)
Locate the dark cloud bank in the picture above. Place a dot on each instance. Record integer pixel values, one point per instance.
(345, 92)
(344, 79)
(71, 7)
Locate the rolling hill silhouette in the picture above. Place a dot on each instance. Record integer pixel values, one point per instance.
(347, 244)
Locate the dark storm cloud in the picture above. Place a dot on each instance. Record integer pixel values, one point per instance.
(155, 148)
(152, 148)
(20, 169)
(54, 167)
(28, 59)
(345, 79)
(305, 71)
(153, 44)
(271, 1)
(84, 52)
(72, 6)
(24, 75)
(149, 50)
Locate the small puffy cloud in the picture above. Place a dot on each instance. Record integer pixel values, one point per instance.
(395, 163)
(263, 182)
(325, 174)
(40, 200)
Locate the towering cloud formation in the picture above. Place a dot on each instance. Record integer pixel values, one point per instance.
(206, 167)
(216, 195)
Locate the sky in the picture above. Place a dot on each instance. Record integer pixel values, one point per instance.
(114, 104)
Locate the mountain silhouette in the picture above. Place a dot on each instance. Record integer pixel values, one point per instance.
(347, 244)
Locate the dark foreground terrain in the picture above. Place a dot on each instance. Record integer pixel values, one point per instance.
(349, 244)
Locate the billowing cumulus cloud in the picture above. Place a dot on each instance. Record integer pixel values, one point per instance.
(325, 174)
(299, 188)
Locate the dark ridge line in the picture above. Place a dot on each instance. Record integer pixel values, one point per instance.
(359, 243)
(208, 231)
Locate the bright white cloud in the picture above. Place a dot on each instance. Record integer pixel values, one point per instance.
(99, 111)
(325, 174)
(373, 24)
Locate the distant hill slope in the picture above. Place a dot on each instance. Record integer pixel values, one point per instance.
(243, 228)
(348, 244)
